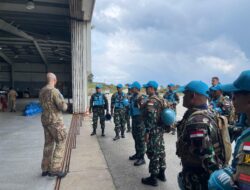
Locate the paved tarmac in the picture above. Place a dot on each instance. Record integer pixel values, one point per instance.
(125, 175)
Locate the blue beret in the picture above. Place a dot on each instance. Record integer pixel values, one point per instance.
(198, 87)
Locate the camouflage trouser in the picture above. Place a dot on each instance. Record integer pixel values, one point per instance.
(54, 147)
(138, 135)
(119, 120)
(98, 112)
(156, 151)
(192, 179)
(12, 104)
(128, 121)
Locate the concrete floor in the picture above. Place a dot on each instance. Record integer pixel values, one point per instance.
(21, 145)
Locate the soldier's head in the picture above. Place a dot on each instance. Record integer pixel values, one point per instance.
(215, 81)
(119, 88)
(98, 88)
(241, 93)
(216, 91)
(135, 87)
(51, 79)
(195, 94)
(151, 87)
(171, 87)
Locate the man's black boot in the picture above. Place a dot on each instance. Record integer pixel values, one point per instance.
(57, 174)
(140, 162)
(151, 180)
(134, 157)
(94, 132)
(45, 173)
(161, 176)
(122, 134)
(103, 134)
(117, 136)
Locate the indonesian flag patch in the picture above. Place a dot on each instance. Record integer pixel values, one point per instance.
(197, 134)
(246, 146)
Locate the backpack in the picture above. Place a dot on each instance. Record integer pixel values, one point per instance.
(223, 150)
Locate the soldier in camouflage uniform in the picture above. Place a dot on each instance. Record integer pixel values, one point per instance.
(129, 95)
(55, 134)
(222, 104)
(237, 175)
(172, 99)
(98, 104)
(136, 102)
(118, 111)
(154, 136)
(12, 95)
(196, 133)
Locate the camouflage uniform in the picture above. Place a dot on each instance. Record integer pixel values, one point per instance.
(195, 137)
(119, 112)
(129, 95)
(98, 103)
(224, 106)
(138, 129)
(155, 146)
(54, 131)
(172, 99)
(12, 99)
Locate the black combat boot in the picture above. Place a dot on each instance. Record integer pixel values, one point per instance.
(103, 135)
(134, 157)
(122, 133)
(151, 180)
(140, 162)
(57, 174)
(161, 176)
(117, 136)
(45, 173)
(94, 132)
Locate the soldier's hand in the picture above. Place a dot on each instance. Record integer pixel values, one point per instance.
(146, 137)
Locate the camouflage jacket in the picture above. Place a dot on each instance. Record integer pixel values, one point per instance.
(171, 97)
(117, 101)
(136, 104)
(224, 106)
(152, 111)
(53, 104)
(194, 140)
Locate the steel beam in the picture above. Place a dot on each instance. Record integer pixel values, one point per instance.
(13, 30)
(8, 60)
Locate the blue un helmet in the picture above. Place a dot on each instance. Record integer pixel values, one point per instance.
(119, 86)
(221, 180)
(136, 85)
(125, 102)
(108, 117)
(168, 116)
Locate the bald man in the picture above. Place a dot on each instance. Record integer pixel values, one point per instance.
(55, 134)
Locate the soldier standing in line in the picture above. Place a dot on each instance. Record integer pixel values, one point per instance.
(118, 111)
(129, 95)
(237, 175)
(55, 134)
(12, 95)
(154, 132)
(138, 129)
(172, 99)
(197, 133)
(98, 104)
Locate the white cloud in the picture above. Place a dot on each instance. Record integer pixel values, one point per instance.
(169, 41)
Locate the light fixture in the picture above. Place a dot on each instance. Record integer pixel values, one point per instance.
(30, 5)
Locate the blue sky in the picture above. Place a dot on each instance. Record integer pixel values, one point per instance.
(170, 41)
